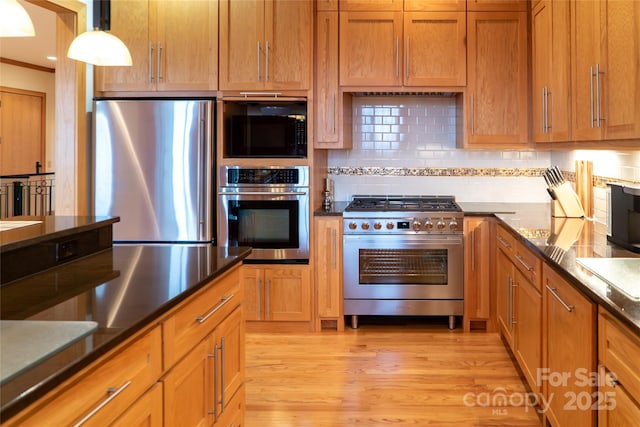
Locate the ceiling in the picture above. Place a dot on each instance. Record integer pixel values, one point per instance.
(33, 50)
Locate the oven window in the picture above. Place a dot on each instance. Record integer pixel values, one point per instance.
(403, 266)
(263, 224)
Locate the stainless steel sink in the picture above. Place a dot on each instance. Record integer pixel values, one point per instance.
(621, 273)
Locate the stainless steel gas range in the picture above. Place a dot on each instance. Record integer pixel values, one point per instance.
(403, 255)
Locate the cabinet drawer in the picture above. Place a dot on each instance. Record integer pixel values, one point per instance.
(194, 320)
(505, 241)
(528, 263)
(619, 351)
(101, 393)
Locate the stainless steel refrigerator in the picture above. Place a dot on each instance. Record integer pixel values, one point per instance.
(153, 166)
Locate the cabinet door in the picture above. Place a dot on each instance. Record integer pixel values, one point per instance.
(585, 56)
(145, 412)
(541, 70)
(287, 44)
(528, 327)
(188, 389)
(288, 294)
(570, 349)
(326, 79)
(229, 369)
(504, 295)
(132, 22)
(328, 247)
(497, 93)
(252, 283)
(559, 96)
(22, 136)
(370, 48)
(616, 408)
(435, 49)
(187, 45)
(621, 74)
(477, 274)
(241, 44)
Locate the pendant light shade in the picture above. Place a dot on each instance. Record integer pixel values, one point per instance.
(14, 20)
(99, 47)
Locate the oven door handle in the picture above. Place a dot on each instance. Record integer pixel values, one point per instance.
(420, 240)
(263, 193)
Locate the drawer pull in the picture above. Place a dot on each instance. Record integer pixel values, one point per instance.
(564, 304)
(504, 242)
(524, 264)
(113, 393)
(223, 301)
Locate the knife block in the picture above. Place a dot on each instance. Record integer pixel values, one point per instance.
(566, 203)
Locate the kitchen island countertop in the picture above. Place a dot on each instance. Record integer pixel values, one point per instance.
(123, 289)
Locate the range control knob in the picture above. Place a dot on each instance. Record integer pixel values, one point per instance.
(377, 226)
(416, 225)
(353, 226)
(440, 225)
(389, 226)
(365, 226)
(453, 225)
(428, 225)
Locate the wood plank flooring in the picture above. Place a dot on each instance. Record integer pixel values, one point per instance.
(379, 375)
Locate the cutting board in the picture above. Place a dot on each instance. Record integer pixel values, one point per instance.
(584, 185)
(24, 343)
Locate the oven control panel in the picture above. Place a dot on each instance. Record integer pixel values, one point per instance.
(421, 225)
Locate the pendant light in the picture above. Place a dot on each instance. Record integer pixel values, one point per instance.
(14, 20)
(98, 47)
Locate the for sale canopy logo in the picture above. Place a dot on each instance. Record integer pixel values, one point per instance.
(501, 399)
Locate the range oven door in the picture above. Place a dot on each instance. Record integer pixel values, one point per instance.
(403, 267)
(275, 224)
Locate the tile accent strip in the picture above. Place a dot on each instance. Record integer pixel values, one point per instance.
(455, 171)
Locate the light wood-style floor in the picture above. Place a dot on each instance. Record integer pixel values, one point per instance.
(379, 375)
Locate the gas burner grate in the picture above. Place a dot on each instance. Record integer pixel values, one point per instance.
(404, 203)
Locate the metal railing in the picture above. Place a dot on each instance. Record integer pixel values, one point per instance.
(27, 195)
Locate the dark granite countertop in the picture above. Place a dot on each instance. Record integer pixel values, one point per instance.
(123, 289)
(48, 227)
(561, 242)
(336, 209)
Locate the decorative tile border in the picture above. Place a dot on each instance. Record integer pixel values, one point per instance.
(598, 181)
(457, 172)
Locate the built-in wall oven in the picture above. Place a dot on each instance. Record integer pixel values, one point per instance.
(403, 255)
(266, 208)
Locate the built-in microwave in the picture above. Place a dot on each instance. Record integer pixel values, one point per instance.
(262, 129)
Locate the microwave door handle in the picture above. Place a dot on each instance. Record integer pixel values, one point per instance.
(264, 193)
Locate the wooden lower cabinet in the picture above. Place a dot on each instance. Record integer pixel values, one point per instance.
(146, 412)
(477, 271)
(570, 356)
(199, 388)
(277, 293)
(147, 381)
(619, 386)
(328, 271)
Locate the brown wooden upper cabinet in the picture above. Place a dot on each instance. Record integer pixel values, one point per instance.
(497, 5)
(265, 45)
(551, 113)
(605, 55)
(496, 100)
(173, 44)
(395, 48)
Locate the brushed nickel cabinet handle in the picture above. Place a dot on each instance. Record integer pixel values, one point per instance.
(397, 57)
(266, 62)
(258, 59)
(521, 261)
(159, 62)
(333, 249)
(223, 301)
(598, 97)
(150, 72)
(407, 61)
(566, 306)
(473, 250)
(214, 356)
(259, 297)
(113, 393)
(591, 94)
(473, 119)
(503, 242)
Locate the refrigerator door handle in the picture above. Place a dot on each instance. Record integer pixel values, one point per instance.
(206, 170)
